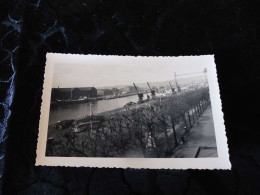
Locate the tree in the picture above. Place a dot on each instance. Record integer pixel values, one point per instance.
(145, 129)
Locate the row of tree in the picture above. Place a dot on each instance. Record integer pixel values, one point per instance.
(154, 129)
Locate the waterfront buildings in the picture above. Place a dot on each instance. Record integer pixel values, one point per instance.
(73, 93)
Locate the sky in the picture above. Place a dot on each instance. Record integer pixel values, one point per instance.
(105, 71)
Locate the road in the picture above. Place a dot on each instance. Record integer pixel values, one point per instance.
(202, 134)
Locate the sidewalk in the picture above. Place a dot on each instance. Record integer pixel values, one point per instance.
(202, 135)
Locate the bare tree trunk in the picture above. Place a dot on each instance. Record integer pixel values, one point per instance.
(193, 113)
(174, 132)
(196, 112)
(166, 135)
(121, 136)
(141, 141)
(184, 120)
(204, 104)
(152, 135)
(200, 107)
(189, 118)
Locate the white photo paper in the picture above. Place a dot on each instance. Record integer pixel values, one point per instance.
(132, 112)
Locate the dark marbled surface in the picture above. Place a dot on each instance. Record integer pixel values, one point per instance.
(229, 29)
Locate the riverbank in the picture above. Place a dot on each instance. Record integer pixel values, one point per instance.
(81, 101)
(59, 133)
(118, 110)
(77, 111)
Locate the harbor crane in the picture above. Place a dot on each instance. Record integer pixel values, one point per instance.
(204, 72)
(140, 95)
(205, 76)
(173, 90)
(152, 91)
(176, 83)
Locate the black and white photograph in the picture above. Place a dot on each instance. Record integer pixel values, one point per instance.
(130, 97)
(131, 107)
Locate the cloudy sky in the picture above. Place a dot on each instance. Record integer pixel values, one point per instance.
(104, 71)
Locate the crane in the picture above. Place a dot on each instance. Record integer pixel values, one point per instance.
(204, 72)
(205, 76)
(152, 91)
(176, 83)
(140, 95)
(173, 90)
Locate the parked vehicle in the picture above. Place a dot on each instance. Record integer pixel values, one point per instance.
(87, 123)
(80, 127)
(88, 118)
(63, 124)
(130, 104)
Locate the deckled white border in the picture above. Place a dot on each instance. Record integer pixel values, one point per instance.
(220, 162)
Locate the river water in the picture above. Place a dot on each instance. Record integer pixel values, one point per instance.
(76, 111)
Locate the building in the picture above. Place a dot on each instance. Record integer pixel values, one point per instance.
(129, 89)
(61, 94)
(108, 92)
(73, 93)
(89, 92)
(105, 92)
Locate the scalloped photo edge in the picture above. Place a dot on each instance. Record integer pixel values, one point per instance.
(85, 96)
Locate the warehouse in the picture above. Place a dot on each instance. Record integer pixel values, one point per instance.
(73, 93)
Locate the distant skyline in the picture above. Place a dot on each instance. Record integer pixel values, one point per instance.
(119, 70)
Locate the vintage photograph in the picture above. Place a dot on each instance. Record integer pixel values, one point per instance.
(131, 107)
(140, 110)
